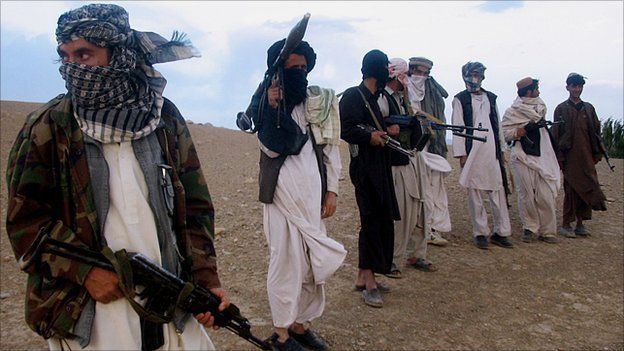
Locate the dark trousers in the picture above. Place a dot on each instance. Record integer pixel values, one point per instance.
(573, 205)
(376, 244)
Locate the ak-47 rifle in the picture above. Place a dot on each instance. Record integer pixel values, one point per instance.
(457, 129)
(604, 151)
(391, 143)
(163, 290)
(248, 121)
(531, 126)
(422, 122)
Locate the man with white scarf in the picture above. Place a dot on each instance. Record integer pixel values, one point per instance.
(533, 162)
(299, 189)
(409, 175)
(482, 169)
(427, 95)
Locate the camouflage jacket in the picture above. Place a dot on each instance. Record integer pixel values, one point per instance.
(49, 189)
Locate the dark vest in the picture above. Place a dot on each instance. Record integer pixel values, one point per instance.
(465, 99)
(531, 142)
(405, 136)
(270, 169)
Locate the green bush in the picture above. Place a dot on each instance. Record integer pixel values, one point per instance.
(613, 136)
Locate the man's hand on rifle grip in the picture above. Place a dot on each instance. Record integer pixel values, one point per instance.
(206, 318)
(520, 132)
(377, 138)
(274, 94)
(102, 285)
(596, 158)
(394, 129)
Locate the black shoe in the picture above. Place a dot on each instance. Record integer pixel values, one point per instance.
(289, 345)
(528, 236)
(309, 340)
(481, 242)
(501, 241)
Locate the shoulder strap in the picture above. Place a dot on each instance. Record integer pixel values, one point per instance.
(318, 152)
(377, 124)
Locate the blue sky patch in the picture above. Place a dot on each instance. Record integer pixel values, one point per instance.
(500, 6)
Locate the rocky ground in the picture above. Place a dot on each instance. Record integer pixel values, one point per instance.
(535, 296)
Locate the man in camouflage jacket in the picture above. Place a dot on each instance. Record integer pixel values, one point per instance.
(57, 177)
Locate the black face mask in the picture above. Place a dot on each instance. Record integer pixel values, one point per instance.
(295, 86)
(383, 76)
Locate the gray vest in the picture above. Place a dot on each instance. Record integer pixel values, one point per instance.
(161, 200)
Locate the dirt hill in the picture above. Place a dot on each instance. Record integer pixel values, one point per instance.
(535, 296)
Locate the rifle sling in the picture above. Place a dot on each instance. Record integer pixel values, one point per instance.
(377, 124)
(120, 262)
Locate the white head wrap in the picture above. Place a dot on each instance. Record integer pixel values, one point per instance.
(397, 67)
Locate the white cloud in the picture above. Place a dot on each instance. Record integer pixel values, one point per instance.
(32, 18)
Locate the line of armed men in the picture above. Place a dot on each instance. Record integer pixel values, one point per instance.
(110, 216)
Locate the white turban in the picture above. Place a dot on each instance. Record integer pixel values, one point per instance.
(397, 67)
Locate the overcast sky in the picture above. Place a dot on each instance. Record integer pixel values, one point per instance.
(545, 40)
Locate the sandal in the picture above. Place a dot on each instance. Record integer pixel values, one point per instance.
(372, 298)
(422, 264)
(383, 288)
(394, 274)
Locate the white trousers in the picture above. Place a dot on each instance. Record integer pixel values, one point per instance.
(536, 200)
(479, 216)
(293, 294)
(409, 232)
(436, 202)
(193, 338)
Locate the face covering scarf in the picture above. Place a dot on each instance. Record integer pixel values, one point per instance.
(416, 87)
(295, 86)
(473, 84)
(122, 101)
(113, 103)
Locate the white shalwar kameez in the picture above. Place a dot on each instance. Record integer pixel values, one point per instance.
(481, 174)
(410, 187)
(537, 178)
(130, 225)
(303, 257)
(437, 216)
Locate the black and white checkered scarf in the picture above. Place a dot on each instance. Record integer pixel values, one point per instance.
(122, 101)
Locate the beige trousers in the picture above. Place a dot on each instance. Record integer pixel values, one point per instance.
(479, 216)
(536, 200)
(409, 232)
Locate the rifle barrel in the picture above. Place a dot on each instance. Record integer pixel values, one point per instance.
(473, 137)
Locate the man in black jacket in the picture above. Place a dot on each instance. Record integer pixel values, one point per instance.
(371, 174)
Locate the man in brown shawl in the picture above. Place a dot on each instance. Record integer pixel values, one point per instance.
(578, 141)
